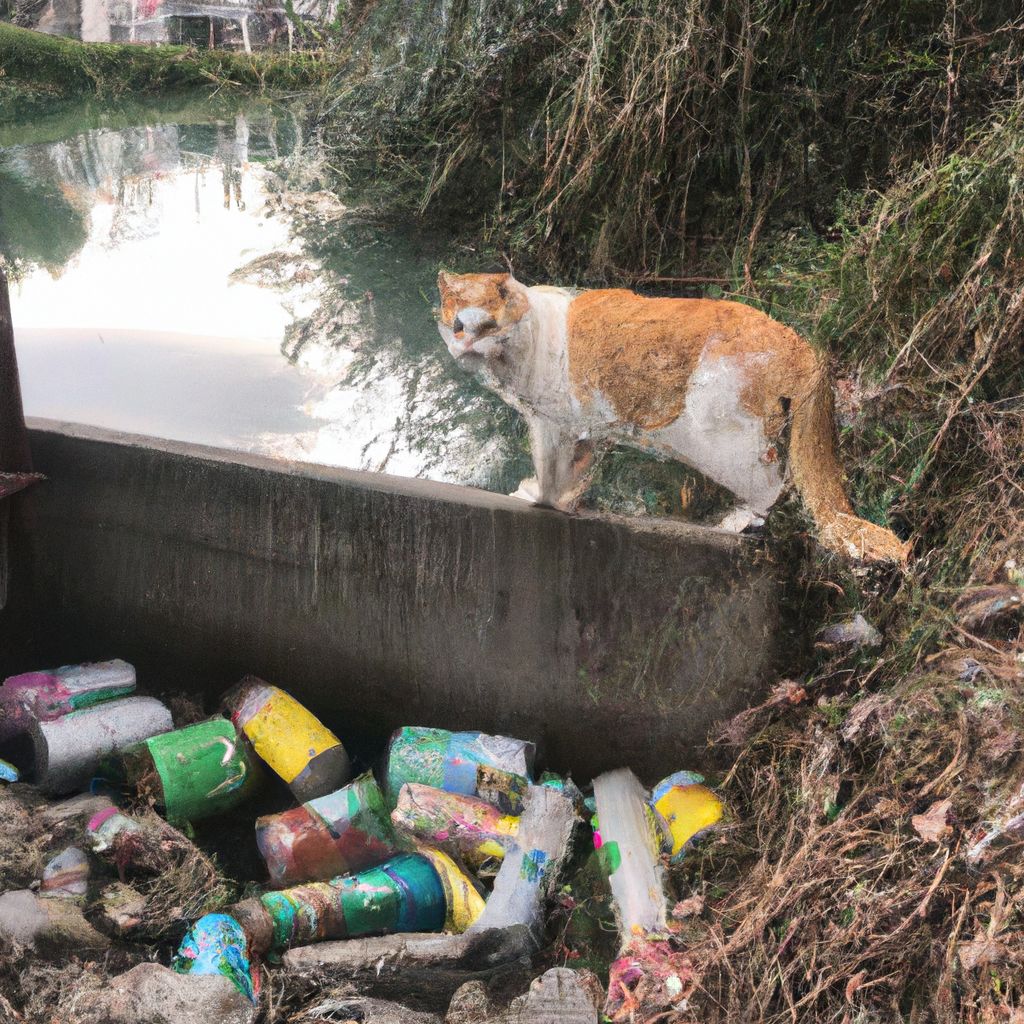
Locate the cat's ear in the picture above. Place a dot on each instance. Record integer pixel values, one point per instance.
(506, 286)
(444, 280)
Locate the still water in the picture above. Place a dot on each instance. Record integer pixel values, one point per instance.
(179, 272)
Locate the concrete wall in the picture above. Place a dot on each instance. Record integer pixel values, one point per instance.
(383, 601)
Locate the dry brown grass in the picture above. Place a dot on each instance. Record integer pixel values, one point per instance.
(852, 898)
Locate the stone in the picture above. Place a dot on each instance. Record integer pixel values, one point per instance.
(469, 1005)
(153, 994)
(47, 925)
(559, 996)
(121, 910)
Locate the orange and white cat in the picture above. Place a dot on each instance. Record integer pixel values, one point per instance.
(713, 384)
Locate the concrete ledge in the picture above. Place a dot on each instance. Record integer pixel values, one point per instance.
(383, 601)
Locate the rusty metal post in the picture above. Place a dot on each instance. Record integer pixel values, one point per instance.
(15, 458)
(14, 451)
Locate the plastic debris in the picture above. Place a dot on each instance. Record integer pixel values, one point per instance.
(75, 812)
(453, 760)
(191, 773)
(62, 755)
(413, 892)
(105, 826)
(630, 844)
(649, 981)
(463, 902)
(853, 634)
(217, 944)
(529, 873)
(984, 606)
(686, 809)
(472, 829)
(67, 875)
(53, 693)
(8, 773)
(336, 834)
(288, 739)
(650, 978)
(1006, 830)
(505, 790)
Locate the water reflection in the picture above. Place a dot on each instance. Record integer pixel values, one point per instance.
(174, 279)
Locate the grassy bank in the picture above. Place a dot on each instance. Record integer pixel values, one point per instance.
(34, 63)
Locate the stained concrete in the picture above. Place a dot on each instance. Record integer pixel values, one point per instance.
(381, 601)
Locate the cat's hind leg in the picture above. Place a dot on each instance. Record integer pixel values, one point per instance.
(719, 437)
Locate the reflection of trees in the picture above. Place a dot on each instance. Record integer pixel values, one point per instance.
(48, 189)
(37, 223)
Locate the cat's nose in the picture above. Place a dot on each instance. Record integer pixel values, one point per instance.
(458, 326)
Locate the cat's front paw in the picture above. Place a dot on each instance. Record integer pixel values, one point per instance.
(529, 490)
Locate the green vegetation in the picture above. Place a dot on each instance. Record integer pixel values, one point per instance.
(856, 170)
(64, 67)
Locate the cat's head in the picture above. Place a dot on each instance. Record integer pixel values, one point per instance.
(478, 312)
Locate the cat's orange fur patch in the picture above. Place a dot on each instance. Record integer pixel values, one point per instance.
(640, 353)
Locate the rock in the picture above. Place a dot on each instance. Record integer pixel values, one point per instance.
(47, 925)
(559, 996)
(853, 635)
(67, 875)
(153, 994)
(22, 917)
(121, 910)
(469, 1005)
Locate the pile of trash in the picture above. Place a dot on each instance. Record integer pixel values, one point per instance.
(445, 859)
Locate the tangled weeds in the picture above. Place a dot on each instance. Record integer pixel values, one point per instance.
(856, 896)
(24, 838)
(33, 990)
(173, 882)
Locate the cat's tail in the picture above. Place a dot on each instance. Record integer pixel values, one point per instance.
(819, 479)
